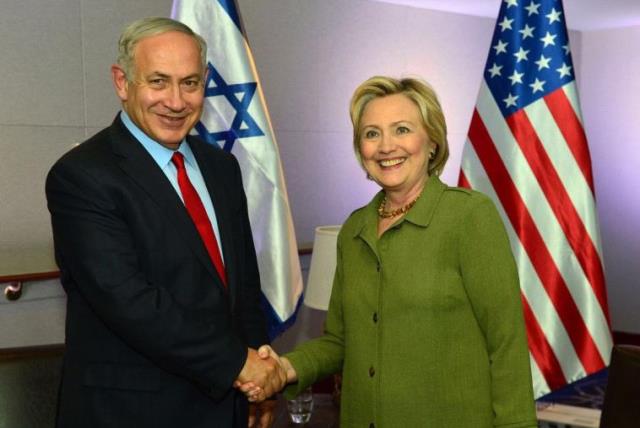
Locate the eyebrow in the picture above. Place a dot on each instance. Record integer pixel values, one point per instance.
(193, 76)
(166, 76)
(396, 123)
(157, 74)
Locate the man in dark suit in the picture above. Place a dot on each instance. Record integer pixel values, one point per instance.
(154, 246)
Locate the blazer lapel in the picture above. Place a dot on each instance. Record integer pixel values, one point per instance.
(140, 166)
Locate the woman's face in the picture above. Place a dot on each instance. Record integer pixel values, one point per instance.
(394, 145)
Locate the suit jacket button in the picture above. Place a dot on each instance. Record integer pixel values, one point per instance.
(372, 371)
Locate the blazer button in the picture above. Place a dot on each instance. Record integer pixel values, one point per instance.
(375, 317)
(378, 267)
(372, 425)
(372, 371)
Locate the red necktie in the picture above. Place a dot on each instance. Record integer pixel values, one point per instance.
(199, 216)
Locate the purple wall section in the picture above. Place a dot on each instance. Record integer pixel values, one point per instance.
(609, 88)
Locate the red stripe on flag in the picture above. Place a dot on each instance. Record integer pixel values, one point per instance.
(536, 249)
(561, 204)
(572, 131)
(462, 180)
(541, 349)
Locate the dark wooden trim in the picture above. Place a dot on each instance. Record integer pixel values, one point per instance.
(624, 338)
(30, 277)
(31, 352)
(38, 276)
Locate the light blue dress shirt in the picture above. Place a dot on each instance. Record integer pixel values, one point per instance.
(162, 156)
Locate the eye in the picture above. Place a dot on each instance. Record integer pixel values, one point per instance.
(191, 85)
(370, 134)
(402, 130)
(157, 82)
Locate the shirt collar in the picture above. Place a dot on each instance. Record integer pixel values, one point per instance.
(160, 154)
(424, 208)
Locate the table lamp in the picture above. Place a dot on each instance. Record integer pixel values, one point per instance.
(322, 269)
(320, 281)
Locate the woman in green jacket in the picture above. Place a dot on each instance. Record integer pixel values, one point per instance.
(425, 319)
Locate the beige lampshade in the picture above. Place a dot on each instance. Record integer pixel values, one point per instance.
(323, 267)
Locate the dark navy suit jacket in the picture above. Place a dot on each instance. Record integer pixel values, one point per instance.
(153, 339)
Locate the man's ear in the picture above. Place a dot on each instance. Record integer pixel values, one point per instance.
(120, 82)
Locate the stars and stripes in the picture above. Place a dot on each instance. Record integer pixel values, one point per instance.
(527, 149)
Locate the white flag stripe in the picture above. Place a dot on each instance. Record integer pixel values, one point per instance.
(538, 206)
(284, 304)
(571, 92)
(272, 264)
(530, 284)
(540, 385)
(565, 165)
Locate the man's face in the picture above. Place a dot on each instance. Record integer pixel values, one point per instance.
(165, 96)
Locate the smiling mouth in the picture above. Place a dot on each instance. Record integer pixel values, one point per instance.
(173, 120)
(386, 163)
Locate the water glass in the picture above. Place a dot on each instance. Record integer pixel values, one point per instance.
(300, 407)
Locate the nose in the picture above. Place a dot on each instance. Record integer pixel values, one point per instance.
(174, 99)
(387, 143)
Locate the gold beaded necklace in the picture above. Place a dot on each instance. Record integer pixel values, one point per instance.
(394, 213)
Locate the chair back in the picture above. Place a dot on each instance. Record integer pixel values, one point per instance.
(621, 408)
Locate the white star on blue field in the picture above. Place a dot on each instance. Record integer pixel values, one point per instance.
(239, 96)
(529, 56)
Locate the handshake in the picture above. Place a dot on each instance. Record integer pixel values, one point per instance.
(264, 374)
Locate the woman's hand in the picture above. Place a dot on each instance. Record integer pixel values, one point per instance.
(266, 351)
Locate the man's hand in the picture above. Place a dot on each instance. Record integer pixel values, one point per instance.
(261, 415)
(265, 375)
(253, 390)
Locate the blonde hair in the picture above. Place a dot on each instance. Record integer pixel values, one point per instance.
(425, 99)
(147, 27)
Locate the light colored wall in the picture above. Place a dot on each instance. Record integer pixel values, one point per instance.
(611, 110)
(310, 54)
(56, 92)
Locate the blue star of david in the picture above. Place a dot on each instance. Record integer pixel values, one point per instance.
(239, 95)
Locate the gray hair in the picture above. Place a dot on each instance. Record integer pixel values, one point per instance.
(147, 27)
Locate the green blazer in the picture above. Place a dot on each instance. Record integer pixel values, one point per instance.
(426, 321)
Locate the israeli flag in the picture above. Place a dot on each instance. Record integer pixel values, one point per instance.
(236, 118)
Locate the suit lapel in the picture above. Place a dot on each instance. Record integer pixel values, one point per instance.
(140, 166)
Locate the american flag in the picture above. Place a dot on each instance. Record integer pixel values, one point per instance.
(527, 149)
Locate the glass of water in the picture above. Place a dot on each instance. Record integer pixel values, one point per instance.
(300, 408)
